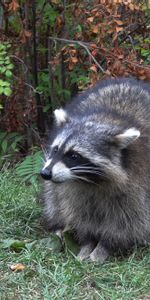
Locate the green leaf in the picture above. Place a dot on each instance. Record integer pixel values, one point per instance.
(8, 73)
(52, 243)
(78, 28)
(1, 90)
(2, 70)
(14, 144)
(1, 82)
(30, 167)
(12, 244)
(70, 243)
(3, 52)
(7, 91)
(2, 135)
(47, 107)
(11, 66)
(4, 83)
(2, 47)
(4, 145)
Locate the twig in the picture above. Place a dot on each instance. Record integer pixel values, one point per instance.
(82, 44)
(19, 59)
(137, 65)
(93, 58)
(33, 89)
(29, 85)
(68, 41)
(40, 116)
(50, 73)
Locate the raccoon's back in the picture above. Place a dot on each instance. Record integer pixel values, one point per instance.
(121, 99)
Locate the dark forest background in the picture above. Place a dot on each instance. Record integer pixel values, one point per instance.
(51, 50)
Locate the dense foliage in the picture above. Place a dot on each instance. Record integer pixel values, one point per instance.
(52, 49)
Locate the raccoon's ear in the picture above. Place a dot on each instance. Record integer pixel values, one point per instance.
(127, 137)
(60, 116)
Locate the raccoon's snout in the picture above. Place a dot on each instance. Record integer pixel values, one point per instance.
(46, 174)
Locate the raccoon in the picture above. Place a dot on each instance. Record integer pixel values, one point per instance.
(97, 173)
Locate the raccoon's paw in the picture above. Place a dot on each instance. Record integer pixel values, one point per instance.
(99, 254)
(85, 251)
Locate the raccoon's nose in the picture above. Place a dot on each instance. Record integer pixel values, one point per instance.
(46, 174)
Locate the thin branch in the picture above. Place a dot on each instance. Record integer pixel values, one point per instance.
(40, 116)
(93, 58)
(29, 85)
(32, 88)
(68, 41)
(19, 59)
(50, 73)
(82, 44)
(136, 64)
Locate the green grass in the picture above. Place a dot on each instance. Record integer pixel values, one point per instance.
(52, 274)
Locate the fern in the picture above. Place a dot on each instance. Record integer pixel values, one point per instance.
(9, 143)
(30, 167)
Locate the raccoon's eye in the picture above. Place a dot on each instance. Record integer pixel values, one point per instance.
(73, 155)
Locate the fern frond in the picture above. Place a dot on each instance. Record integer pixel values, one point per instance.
(29, 168)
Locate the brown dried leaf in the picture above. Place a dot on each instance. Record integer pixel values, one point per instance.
(17, 267)
(90, 19)
(108, 72)
(119, 22)
(94, 10)
(121, 56)
(93, 68)
(95, 29)
(74, 60)
(94, 52)
(27, 33)
(131, 6)
(59, 21)
(24, 35)
(70, 66)
(118, 29)
(13, 5)
(93, 46)
(55, 1)
(72, 51)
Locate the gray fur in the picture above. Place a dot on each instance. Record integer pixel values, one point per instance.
(110, 126)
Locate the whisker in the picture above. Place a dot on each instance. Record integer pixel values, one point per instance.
(85, 168)
(91, 170)
(82, 178)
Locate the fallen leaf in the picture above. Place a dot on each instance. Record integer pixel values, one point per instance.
(93, 46)
(52, 243)
(13, 5)
(119, 22)
(95, 29)
(118, 29)
(93, 68)
(74, 60)
(90, 19)
(16, 245)
(17, 267)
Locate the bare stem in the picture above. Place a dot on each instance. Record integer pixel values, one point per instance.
(82, 44)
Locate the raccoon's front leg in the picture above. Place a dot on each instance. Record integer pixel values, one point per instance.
(85, 251)
(99, 254)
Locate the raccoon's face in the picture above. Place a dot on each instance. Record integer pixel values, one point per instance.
(88, 152)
